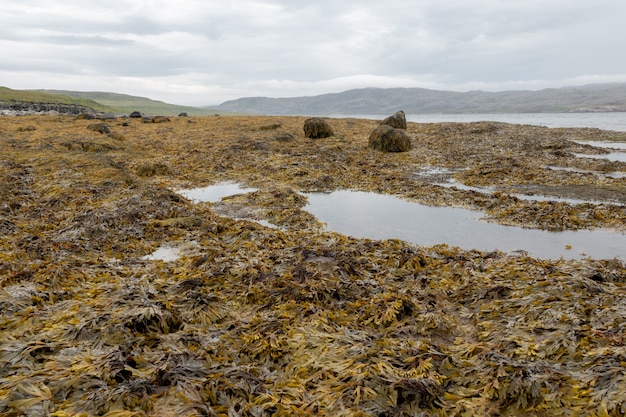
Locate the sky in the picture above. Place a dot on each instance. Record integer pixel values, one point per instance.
(203, 52)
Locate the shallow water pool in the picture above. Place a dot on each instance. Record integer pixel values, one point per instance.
(214, 193)
(376, 216)
(613, 156)
(603, 144)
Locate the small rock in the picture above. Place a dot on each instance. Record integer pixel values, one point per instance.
(285, 137)
(397, 120)
(99, 127)
(135, 115)
(388, 139)
(316, 128)
(183, 114)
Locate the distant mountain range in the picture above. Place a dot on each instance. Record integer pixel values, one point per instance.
(381, 101)
(364, 101)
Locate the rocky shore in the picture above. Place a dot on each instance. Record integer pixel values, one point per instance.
(264, 312)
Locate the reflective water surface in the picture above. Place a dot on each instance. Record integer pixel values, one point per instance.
(214, 193)
(613, 156)
(376, 216)
(165, 254)
(603, 144)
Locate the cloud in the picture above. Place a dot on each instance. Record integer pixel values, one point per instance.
(206, 52)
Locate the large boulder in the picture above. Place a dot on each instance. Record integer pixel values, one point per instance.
(397, 120)
(316, 128)
(389, 139)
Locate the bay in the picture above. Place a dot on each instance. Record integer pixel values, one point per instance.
(607, 121)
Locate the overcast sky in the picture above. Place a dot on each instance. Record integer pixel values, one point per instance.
(206, 52)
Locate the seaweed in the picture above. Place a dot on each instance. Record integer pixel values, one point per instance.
(254, 320)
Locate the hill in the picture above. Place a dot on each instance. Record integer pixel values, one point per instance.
(124, 103)
(595, 97)
(10, 96)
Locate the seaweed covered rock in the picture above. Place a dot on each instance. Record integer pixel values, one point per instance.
(99, 127)
(388, 139)
(316, 128)
(396, 120)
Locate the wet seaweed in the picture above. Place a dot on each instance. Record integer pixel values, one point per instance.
(254, 320)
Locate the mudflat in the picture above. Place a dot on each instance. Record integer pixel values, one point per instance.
(294, 319)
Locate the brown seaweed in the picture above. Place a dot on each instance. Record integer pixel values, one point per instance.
(255, 321)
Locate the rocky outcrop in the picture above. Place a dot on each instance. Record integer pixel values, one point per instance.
(24, 107)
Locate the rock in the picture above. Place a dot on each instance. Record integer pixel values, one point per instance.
(135, 115)
(99, 127)
(316, 128)
(183, 114)
(397, 120)
(285, 137)
(25, 107)
(388, 139)
(160, 119)
(106, 116)
(86, 116)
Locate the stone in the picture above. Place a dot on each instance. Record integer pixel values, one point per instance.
(389, 139)
(183, 114)
(99, 127)
(397, 120)
(135, 115)
(160, 119)
(316, 128)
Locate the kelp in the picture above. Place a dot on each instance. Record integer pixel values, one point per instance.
(254, 320)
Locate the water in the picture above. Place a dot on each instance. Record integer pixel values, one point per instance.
(165, 254)
(376, 216)
(582, 171)
(603, 144)
(607, 121)
(442, 177)
(214, 193)
(613, 156)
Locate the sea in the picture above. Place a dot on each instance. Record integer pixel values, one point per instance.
(607, 121)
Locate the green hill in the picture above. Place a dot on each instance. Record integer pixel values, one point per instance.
(124, 103)
(33, 96)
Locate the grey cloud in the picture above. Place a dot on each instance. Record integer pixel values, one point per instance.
(289, 43)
